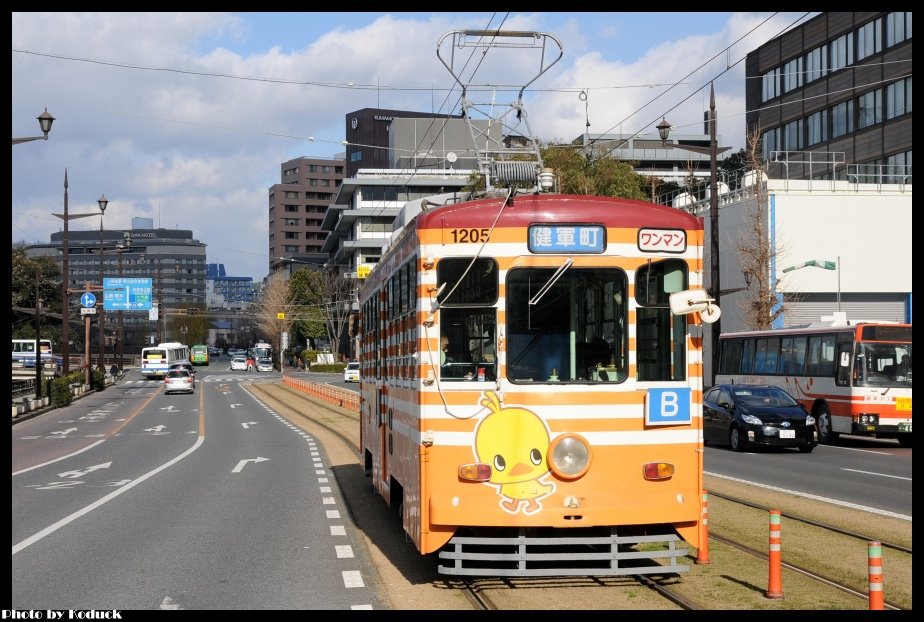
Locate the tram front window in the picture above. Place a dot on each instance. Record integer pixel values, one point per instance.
(567, 325)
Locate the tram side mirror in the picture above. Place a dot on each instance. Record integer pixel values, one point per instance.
(695, 301)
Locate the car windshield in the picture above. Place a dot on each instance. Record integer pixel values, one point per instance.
(353, 366)
(763, 397)
(177, 374)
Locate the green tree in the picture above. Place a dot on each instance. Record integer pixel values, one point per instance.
(598, 175)
(24, 272)
(306, 289)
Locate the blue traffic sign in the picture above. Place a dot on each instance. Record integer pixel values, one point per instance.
(88, 300)
(127, 293)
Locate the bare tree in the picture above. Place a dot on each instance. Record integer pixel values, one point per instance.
(762, 305)
(338, 292)
(273, 315)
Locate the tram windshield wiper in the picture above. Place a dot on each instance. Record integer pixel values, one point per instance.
(552, 280)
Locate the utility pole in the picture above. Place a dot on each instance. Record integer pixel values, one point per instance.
(38, 339)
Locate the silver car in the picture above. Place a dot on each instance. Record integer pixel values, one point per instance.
(179, 381)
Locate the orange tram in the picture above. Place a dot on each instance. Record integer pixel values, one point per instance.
(531, 383)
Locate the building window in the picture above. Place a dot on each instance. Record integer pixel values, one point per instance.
(898, 168)
(770, 87)
(291, 249)
(291, 171)
(291, 222)
(841, 52)
(325, 182)
(842, 119)
(817, 127)
(898, 27)
(338, 170)
(291, 235)
(793, 135)
(325, 169)
(815, 64)
(770, 142)
(356, 156)
(869, 107)
(312, 168)
(292, 208)
(898, 98)
(312, 182)
(291, 194)
(792, 74)
(869, 39)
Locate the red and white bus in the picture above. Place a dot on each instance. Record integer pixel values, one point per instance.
(854, 377)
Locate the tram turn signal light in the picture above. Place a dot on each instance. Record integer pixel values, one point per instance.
(654, 471)
(476, 472)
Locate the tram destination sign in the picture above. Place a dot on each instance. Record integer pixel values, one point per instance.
(127, 293)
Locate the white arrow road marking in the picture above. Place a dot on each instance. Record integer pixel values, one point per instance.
(235, 405)
(240, 465)
(99, 502)
(157, 428)
(53, 485)
(169, 603)
(58, 459)
(78, 473)
(120, 482)
(67, 431)
(171, 407)
(247, 424)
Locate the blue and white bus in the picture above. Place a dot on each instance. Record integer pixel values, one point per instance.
(24, 355)
(156, 360)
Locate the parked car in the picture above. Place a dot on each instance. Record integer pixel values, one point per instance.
(179, 381)
(183, 366)
(351, 372)
(239, 363)
(747, 414)
(264, 363)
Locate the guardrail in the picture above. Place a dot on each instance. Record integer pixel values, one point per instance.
(332, 395)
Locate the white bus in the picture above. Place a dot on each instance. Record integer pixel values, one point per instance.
(854, 377)
(156, 360)
(24, 355)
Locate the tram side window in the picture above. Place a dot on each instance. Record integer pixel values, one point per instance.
(660, 335)
(468, 318)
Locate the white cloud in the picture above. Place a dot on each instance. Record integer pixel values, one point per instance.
(200, 152)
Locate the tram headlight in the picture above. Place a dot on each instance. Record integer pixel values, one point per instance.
(570, 456)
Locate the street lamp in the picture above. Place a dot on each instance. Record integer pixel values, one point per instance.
(45, 120)
(824, 265)
(65, 280)
(103, 202)
(713, 150)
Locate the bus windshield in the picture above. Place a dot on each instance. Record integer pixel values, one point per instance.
(882, 364)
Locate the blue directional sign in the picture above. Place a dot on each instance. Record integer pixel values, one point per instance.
(127, 294)
(88, 300)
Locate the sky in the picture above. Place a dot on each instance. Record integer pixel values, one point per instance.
(185, 118)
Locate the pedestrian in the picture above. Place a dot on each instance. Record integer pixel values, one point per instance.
(114, 370)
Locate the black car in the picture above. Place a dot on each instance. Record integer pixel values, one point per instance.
(747, 414)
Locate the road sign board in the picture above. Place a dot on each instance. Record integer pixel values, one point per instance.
(87, 310)
(88, 300)
(127, 294)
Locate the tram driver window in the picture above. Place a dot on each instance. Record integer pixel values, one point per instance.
(566, 326)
